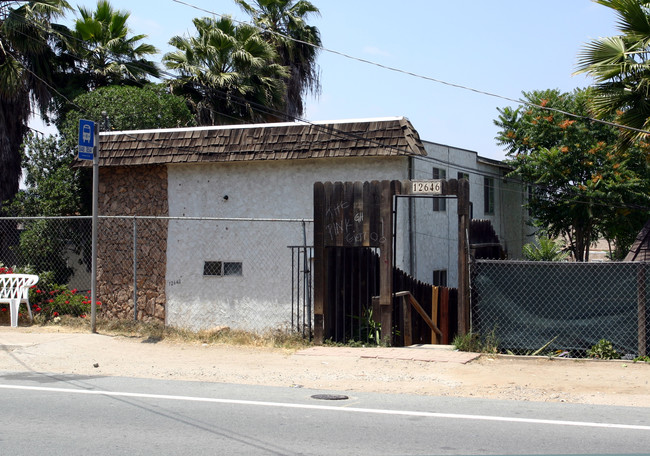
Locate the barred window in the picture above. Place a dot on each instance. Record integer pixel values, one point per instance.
(222, 268)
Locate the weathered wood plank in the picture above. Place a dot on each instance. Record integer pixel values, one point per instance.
(320, 262)
(407, 328)
(434, 314)
(444, 314)
(386, 261)
(409, 300)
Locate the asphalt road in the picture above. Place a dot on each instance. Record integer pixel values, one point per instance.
(57, 414)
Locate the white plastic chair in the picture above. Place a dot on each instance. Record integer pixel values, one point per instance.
(14, 289)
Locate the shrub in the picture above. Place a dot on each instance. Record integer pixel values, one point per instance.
(544, 249)
(604, 349)
(473, 342)
(58, 300)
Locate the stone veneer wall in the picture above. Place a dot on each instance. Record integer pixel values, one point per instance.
(132, 191)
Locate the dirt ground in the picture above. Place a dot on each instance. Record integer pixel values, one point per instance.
(60, 351)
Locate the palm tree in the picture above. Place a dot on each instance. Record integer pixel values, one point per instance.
(227, 72)
(620, 65)
(297, 45)
(104, 46)
(26, 66)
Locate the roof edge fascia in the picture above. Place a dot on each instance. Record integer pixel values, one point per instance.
(250, 126)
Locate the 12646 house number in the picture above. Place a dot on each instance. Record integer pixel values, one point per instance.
(427, 187)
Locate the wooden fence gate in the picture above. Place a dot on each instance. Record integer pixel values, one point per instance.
(354, 278)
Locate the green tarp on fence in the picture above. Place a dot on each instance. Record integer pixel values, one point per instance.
(528, 304)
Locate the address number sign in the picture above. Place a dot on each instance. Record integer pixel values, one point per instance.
(426, 187)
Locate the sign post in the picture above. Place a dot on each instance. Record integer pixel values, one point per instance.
(89, 150)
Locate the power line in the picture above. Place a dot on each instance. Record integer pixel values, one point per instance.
(419, 76)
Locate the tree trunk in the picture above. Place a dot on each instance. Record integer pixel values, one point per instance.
(14, 115)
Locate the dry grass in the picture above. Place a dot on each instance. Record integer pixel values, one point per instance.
(157, 331)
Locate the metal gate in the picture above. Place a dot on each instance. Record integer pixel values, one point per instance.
(301, 290)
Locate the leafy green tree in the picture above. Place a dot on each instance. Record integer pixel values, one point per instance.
(26, 66)
(620, 65)
(583, 186)
(107, 49)
(51, 184)
(129, 108)
(52, 189)
(296, 43)
(227, 72)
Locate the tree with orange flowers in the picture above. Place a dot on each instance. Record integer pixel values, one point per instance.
(582, 185)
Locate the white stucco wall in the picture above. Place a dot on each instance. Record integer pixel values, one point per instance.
(261, 296)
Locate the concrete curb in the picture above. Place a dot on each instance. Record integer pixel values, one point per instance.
(429, 353)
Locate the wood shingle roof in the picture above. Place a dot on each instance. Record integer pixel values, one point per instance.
(281, 141)
(640, 250)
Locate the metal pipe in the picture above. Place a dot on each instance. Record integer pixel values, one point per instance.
(93, 285)
(306, 274)
(293, 292)
(135, 269)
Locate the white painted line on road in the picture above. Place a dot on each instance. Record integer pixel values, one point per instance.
(332, 408)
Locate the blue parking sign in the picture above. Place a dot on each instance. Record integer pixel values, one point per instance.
(86, 139)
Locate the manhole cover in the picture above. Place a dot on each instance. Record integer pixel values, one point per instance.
(330, 397)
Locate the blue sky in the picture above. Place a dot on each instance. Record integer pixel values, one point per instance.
(500, 46)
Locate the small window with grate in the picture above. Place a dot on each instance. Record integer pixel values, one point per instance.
(222, 268)
(232, 268)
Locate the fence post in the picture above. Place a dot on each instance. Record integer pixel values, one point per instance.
(135, 268)
(305, 281)
(407, 328)
(95, 212)
(463, 264)
(641, 308)
(293, 293)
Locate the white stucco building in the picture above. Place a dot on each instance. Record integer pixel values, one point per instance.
(248, 190)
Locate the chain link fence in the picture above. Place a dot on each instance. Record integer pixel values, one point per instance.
(561, 308)
(57, 250)
(194, 273)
